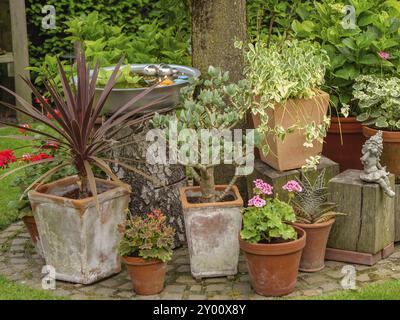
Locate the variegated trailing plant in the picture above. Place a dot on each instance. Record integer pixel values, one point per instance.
(312, 205)
(73, 126)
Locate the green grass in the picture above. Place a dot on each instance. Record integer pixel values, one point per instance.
(10, 290)
(388, 290)
(8, 193)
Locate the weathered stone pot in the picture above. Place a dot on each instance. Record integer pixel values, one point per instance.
(212, 231)
(273, 268)
(290, 153)
(147, 276)
(78, 240)
(30, 224)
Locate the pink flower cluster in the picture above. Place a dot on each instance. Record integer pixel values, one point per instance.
(257, 202)
(292, 186)
(263, 187)
(6, 157)
(384, 55)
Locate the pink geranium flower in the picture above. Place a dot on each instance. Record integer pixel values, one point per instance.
(384, 55)
(292, 186)
(264, 187)
(257, 202)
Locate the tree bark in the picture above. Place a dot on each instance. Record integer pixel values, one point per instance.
(216, 25)
(147, 196)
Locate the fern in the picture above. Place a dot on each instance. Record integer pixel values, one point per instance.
(311, 205)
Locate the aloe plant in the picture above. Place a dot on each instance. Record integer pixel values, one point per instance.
(311, 205)
(73, 126)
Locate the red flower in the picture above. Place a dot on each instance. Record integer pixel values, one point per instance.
(37, 157)
(49, 116)
(51, 145)
(22, 130)
(37, 100)
(6, 157)
(57, 112)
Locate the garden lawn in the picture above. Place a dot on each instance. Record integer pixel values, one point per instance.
(10, 290)
(388, 290)
(8, 193)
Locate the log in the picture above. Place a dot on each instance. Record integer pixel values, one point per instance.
(369, 224)
(146, 195)
(278, 179)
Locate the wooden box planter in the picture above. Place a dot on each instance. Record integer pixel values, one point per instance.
(346, 154)
(368, 230)
(78, 240)
(212, 231)
(290, 153)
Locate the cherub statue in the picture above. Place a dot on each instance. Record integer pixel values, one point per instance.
(373, 171)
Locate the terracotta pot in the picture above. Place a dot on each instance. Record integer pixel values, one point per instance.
(313, 256)
(212, 233)
(79, 240)
(273, 268)
(391, 149)
(343, 143)
(147, 276)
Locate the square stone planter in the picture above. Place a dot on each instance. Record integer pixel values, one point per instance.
(78, 240)
(290, 153)
(212, 232)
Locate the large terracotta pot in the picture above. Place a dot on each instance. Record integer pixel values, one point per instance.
(148, 276)
(313, 256)
(79, 240)
(343, 143)
(31, 226)
(391, 149)
(273, 268)
(212, 233)
(290, 153)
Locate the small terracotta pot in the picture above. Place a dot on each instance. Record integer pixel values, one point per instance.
(147, 276)
(30, 224)
(313, 256)
(343, 143)
(273, 268)
(391, 149)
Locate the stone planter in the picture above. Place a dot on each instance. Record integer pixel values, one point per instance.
(290, 153)
(30, 224)
(212, 231)
(79, 241)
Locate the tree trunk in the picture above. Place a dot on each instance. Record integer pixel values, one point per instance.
(216, 25)
(146, 196)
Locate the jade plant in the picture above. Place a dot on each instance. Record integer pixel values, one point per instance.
(147, 237)
(71, 124)
(312, 205)
(379, 101)
(285, 70)
(217, 106)
(267, 219)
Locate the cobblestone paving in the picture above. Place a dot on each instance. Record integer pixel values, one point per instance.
(19, 262)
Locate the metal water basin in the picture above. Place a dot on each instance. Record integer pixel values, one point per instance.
(119, 96)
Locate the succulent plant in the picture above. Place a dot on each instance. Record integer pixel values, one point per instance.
(312, 205)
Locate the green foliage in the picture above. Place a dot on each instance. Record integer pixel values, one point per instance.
(159, 30)
(124, 78)
(311, 205)
(282, 71)
(379, 101)
(269, 222)
(148, 238)
(353, 51)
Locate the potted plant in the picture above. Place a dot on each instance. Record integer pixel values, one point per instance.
(211, 212)
(379, 101)
(272, 245)
(355, 48)
(314, 215)
(77, 216)
(145, 248)
(289, 109)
